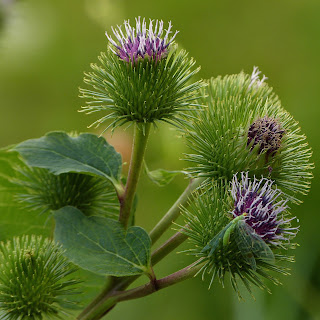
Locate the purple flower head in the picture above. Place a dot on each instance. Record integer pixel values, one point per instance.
(266, 132)
(264, 213)
(141, 42)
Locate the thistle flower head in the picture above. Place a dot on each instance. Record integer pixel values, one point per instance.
(267, 133)
(245, 128)
(142, 42)
(156, 86)
(34, 279)
(45, 191)
(245, 250)
(264, 212)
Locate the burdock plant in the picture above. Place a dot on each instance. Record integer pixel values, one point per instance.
(249, 163)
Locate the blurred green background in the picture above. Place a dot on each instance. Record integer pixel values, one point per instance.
(46, 45)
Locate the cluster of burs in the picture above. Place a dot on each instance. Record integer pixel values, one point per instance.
(246, 151)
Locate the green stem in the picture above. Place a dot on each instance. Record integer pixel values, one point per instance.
(99, 311)
(111, 281)
(171, 244)
(53, 226)
(114, 297)
(174, 211)
(138, 150)
(147, 289)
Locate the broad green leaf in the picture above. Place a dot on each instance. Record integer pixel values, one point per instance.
(60, 153)
(101, 245)
(14, 220)
(161, 177)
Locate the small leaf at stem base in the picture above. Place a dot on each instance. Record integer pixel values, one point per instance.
(161, 177)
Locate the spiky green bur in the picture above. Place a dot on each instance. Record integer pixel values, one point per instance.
(45, 191)
(219, 135)
(207, 215)
(146, 91)
(34, 279)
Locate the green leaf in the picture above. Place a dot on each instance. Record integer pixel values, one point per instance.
(161, 177)
(14, 220)
(60, 153)
(101, 245)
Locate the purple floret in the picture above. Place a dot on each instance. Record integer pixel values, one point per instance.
(264, 213)
(140, 42)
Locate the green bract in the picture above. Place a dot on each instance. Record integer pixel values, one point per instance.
(218, 135)
(143, 92)
(34, 279)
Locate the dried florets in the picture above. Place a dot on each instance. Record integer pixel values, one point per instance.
(267, 133)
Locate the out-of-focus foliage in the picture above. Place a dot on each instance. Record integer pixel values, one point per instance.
(11, 211)
(46, 45)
